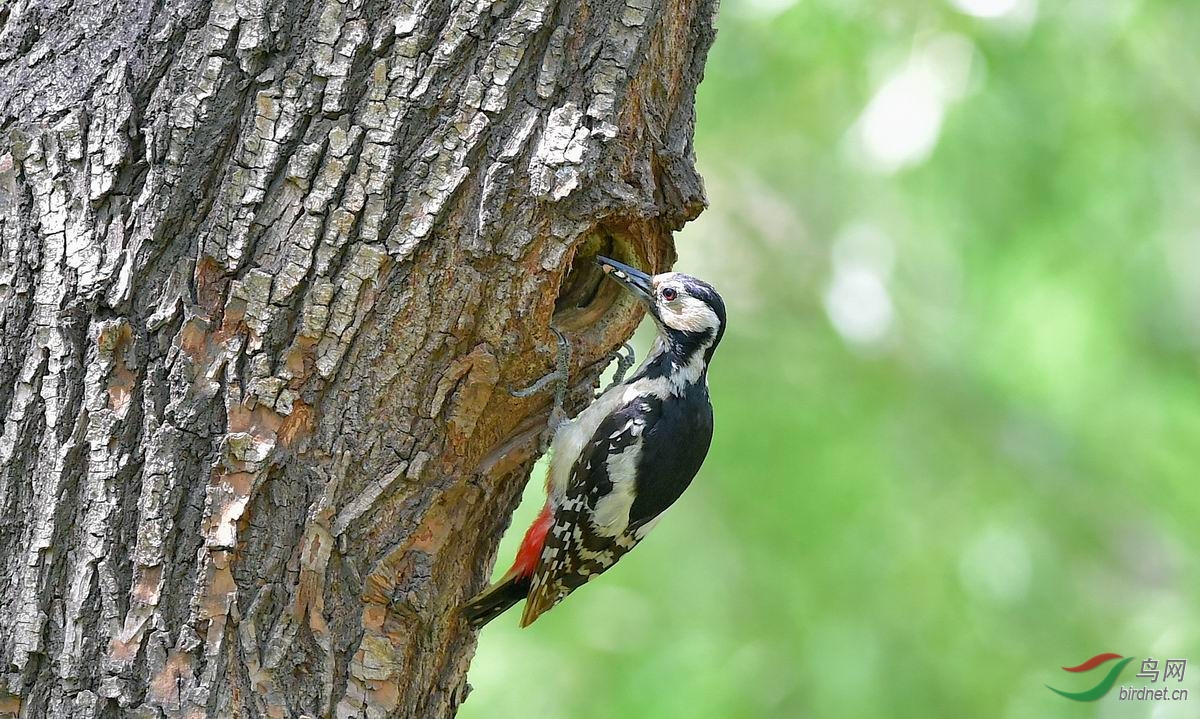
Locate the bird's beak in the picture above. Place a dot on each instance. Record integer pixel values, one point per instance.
(631, 278)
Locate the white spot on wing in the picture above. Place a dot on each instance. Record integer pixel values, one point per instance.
(611, 515)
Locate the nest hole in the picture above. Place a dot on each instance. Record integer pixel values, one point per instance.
(584, 296)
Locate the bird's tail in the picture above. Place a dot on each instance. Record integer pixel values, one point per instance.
(496, 599)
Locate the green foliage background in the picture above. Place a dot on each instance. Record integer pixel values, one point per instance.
(998, 477)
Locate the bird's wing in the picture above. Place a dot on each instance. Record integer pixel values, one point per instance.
(588, 533)
(673, 447)
(636, 464)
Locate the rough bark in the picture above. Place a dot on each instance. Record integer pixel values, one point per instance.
(266, 270)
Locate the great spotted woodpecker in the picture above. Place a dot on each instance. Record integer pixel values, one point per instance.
(618, 465)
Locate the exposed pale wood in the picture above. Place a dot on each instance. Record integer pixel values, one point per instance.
(266, 270)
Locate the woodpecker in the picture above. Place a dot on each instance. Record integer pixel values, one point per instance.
(626, 458)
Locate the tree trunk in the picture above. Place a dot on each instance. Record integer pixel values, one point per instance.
(267, 270)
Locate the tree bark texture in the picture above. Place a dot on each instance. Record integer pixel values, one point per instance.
(267, 269)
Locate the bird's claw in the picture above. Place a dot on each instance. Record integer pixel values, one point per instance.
(561, 376)
(537, 386)
(625, 361)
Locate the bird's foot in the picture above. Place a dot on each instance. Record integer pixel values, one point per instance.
(560, 378)
(625, 361)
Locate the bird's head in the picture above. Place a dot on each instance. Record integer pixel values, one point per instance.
(689, 313)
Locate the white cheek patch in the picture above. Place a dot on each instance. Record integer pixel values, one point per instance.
(691, 315)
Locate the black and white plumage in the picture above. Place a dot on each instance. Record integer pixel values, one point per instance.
(626, 458)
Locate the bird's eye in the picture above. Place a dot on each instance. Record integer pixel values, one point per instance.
(669, 294)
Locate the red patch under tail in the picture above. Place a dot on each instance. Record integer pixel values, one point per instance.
(531, 546)
(514, 585)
